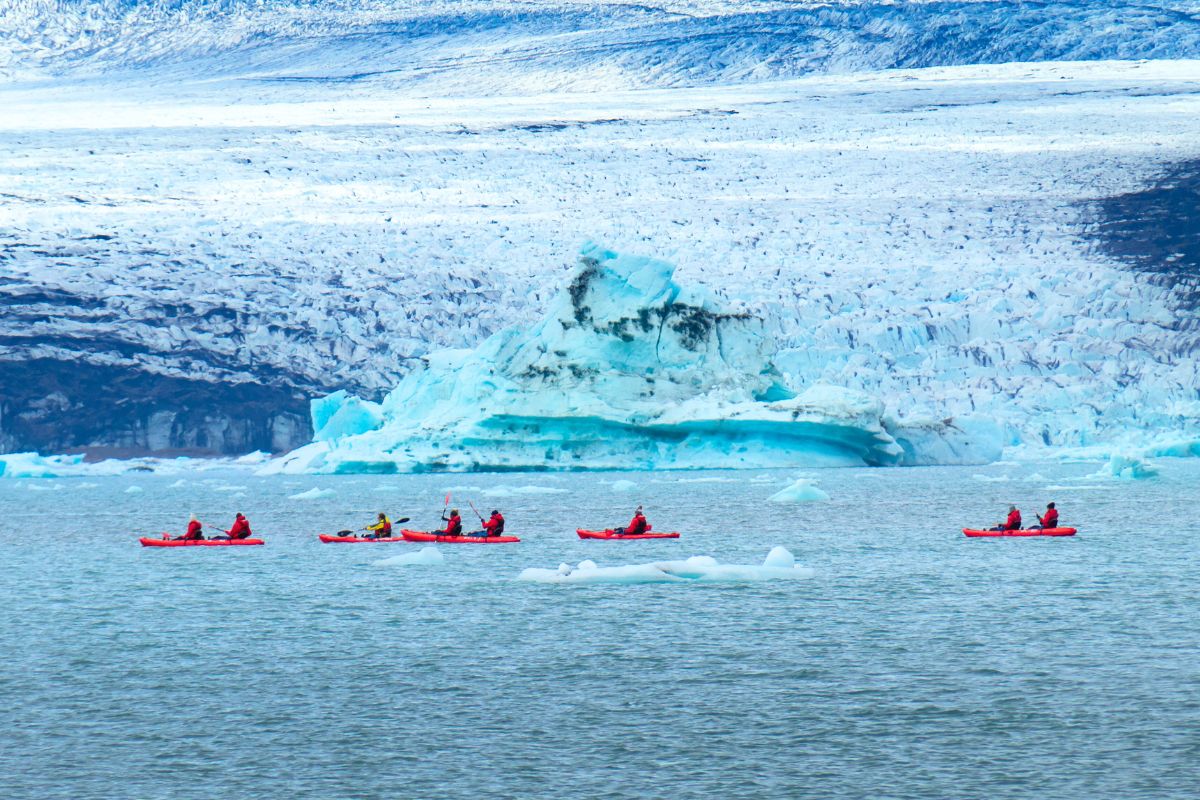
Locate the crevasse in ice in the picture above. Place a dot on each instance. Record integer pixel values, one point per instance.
(630, 370)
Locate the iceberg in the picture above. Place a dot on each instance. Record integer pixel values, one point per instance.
(32, 465)
(627, 370)
(313, 494)
(778, 565)
(1128, 467)
(802, 491)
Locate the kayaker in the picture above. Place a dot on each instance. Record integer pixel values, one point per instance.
(636, 526)
(493, 526)
(240, 529)
(382, 529)
(1049, 519)
(1013, 523)
(195, 531)
(453, 524)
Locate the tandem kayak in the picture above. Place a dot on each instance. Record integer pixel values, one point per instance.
(973, 532)
(148, 542)
(425, 536)
(611, 534)
(333, 537)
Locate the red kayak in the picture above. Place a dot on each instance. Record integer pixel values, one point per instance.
(148, 542)
(611, 534)
(1033, 532)
(424, 536)
(330, 537)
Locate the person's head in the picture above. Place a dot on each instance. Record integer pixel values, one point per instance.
(495, 513)
(454, 512)
(239, 515)
(1049, 505)
(639, 510)
(192, 518)
(1012, 509)
(382, 515)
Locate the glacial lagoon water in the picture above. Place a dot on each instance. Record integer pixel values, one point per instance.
(916, 663)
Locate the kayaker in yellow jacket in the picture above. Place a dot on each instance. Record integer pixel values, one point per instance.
(382, 529)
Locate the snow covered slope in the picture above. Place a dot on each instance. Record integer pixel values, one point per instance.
(442, 46)
(193, 243)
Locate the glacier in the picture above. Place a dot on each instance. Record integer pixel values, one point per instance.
(627, 369)
(215, 211)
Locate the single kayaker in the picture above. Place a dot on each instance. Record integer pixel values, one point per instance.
(636, 526)
(382, 529)
(1050, 518)
(493, 526)
(453, 524)
(1013, 523)
(195, 531)
(240, 529)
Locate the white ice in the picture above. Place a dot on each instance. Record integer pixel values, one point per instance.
(313, 494)
(778, 565)
(426, 556)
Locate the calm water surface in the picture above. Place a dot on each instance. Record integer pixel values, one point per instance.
(917, 663)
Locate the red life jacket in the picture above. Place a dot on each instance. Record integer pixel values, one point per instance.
(1051, 518)
(1014, 521)
(240, 529)
(495, 525)
(636, 525)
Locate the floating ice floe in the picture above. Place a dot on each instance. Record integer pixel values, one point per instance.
(802, 491)
(778, 565)
(628, 370)
(313, 494)
(425, 557)
(623, 486)
(134, 490)
(1127, 467)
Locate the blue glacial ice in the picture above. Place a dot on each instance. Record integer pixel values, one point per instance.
(627, 370)
(778, 565)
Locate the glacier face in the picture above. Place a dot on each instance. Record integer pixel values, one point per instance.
(627, 370)
(210, 213)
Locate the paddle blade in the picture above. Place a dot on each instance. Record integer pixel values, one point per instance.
(402, 519)
(447, 498)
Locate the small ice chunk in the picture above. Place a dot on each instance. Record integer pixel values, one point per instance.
(780, 557)
(624, 486)
(313, 494)
(587, 563)
(425, 557)
(133, 490)
(802, 491)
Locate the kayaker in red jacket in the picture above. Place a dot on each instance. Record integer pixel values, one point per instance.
(1013, 523)
(491, 527)
(636, 526)
(240, 529)
(453, 524)
(195, 531)
(495, 524)
(1050, 518)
